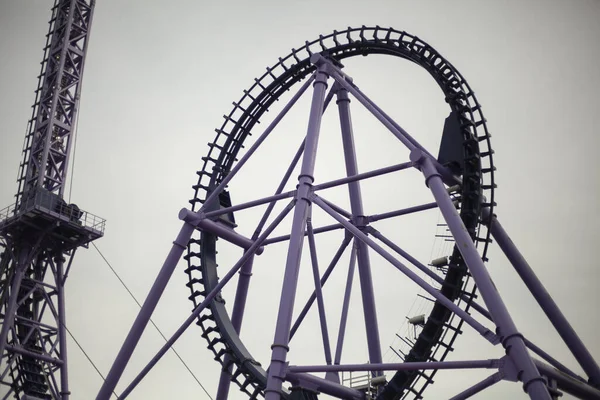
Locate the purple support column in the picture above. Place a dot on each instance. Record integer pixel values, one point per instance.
(313, 296)
(345, 306)
(280, 348)
(551, 360)
(364, 264)
(318, 292)
(9, 316)
(364, 175)
(360, 235)
(215, 192)
(208, 298)
(567, 384)
(539, 292)
(145, 312)
(237, 315)
(326, 387)
(404, 366)
(62, 334)
(512, 340)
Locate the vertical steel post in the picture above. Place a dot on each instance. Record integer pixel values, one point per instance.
(512, 340)
(345, 305)
(550, 308)
(237, 315)
(364, 263)
(143, 317)
(280, 347)
(22, 259)
(62, 328)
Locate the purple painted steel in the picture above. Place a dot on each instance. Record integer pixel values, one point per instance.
(322, 229)
(343, 80)
(550, 308)
(145, 313)
(288, 293)
(339, 209)
(364, 263)
(346, 82)
(61, 325)
(405, 366)
(324, 386)
(206, 302)
(280, 188)
(245, 273)
(19, 350)
(241, 294)
(217, 229)
(364, 175)
(221, 186)
(11, 308)
(477, 307)
(250, 204)
(32, 282)
(423, 268)
(486, 333)
(551, 360)
(326, 274)
(404, 211)
(512, 340)
(364, 100)
(478, 387)
(567, 384)
(345, 305)
(237, 315)
(427, 271)
(319, 293)
(50, 131)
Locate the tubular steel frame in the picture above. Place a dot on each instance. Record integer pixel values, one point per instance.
(41, 232)
(462, 214)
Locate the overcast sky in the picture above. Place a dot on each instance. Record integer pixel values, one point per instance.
(159, 76)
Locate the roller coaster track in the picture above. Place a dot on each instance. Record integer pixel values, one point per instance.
(436, 339)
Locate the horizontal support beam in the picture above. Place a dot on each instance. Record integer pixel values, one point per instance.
(38, 356)
(322, 229)
(364, 175)
(243, 206)
(324, 386)
(405, 366)
(222, 231)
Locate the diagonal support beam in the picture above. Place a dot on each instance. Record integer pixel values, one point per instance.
(479, 386)
(207, 300)
(356, 205)
(360, 235)
(215, 192)
(323, 280)
(319, 293)
(548, 305)
(512, 340)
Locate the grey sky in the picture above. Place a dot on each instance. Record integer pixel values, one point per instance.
(159, 75)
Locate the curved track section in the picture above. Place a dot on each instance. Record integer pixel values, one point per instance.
(441, 329)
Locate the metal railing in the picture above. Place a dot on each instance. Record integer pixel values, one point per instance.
(51, 204)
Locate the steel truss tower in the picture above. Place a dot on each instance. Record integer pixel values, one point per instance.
(41, 231)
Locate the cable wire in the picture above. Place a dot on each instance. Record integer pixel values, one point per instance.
(86, 355)
(152, 322)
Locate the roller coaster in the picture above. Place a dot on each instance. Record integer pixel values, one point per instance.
(41, 233)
